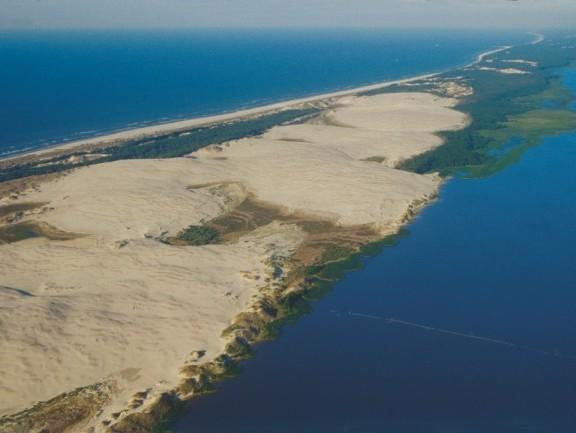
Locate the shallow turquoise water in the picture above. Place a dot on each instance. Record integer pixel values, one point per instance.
(493, 258)
(70, 85)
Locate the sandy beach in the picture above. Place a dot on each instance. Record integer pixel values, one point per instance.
(182, 125)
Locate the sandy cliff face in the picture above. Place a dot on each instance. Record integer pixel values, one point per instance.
(117, 303)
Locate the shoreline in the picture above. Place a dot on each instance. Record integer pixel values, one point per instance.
(176, 126)
(266, 272)
(151, 409)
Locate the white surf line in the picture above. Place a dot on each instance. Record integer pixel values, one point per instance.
(151, 131)
(470, 336)
(482, 56)
(538, 38)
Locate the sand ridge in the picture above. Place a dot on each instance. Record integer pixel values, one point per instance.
(389, 127)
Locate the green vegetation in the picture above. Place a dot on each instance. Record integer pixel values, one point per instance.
(60, 413)
(556, 95)
(520, 133)
(399, 88)
(504, 107)
(543, 121)
(335, 252)
(14, 210)
(30, 229)
(253, 327)
(198, 235)
(319, 279)
(378, 159)
(167, 146)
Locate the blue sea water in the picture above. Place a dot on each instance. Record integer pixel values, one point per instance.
(56, 86)
(492, 258)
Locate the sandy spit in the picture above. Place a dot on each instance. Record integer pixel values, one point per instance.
(118, 304)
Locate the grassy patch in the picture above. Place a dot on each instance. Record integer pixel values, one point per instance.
(30, 229)
(166, 146)
(504, 106)
(18, 208)
(335, 252)
(543, 122)
(198, 235)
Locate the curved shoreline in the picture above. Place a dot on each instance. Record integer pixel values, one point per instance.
(182, 125)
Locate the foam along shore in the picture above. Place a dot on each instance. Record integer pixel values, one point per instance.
(183, 125)
(118, 304)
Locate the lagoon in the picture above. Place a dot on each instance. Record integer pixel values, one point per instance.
(492, 258)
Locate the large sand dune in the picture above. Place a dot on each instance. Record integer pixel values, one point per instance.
(119, 303)
(388, 128)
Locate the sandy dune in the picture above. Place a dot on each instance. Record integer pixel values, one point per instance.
(118, 302)
(390, 126)
(95, 311)
(422, 112)
(388, 147)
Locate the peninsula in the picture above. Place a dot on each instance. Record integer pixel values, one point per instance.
(138, 269)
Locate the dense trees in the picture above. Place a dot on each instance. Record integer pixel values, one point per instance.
(167, 146)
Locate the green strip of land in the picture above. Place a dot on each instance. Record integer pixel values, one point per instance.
(509, 112)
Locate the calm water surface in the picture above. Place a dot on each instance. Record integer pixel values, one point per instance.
(494, 257)
(70, 85)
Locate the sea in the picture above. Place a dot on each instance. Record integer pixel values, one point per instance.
(57, 86)
(466, 325)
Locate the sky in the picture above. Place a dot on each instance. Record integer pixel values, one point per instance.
(89, 14)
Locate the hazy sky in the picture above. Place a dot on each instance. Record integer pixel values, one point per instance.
(286, 13)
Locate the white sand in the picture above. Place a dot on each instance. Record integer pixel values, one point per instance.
(99, 309)
(180, 125)
(505, 70)
(521, 61)
(391, 126)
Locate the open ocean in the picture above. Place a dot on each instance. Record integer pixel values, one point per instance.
(57, 86)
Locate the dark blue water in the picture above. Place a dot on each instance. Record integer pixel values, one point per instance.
(495, 257)
(56, 86)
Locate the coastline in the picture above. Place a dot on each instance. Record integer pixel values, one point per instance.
(330, 341)
(332, 202)
(170, 127)
(253, 323)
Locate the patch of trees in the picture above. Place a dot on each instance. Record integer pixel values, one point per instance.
(497, 96)
(167, 146)
(198, 235)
